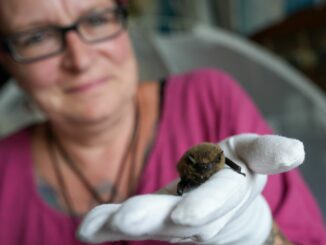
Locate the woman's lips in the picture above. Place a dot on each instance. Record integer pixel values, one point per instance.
(86, 86)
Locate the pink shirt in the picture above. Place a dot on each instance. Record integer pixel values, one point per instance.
(204, 105)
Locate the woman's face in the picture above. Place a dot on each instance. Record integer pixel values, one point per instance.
(85, 83)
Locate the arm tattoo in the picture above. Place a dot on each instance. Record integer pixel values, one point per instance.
(276, 237)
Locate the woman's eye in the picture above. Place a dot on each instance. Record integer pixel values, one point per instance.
(33, 39)
(97, 20)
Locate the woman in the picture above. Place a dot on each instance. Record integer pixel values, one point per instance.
(106, 137)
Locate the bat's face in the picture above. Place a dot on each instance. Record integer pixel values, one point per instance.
(201, 162)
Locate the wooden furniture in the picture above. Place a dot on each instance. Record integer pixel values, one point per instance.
(301, 40)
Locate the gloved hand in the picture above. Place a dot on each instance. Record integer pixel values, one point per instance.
(226, 209)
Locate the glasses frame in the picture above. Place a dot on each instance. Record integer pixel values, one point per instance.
(6, 42)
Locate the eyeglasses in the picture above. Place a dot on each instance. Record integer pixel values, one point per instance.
(41, 43)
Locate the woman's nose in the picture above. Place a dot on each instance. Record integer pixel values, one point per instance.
(78, 54)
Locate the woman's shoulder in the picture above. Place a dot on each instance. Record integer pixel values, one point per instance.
(14, 140)
(14, 151)
(206, 85)
(209, 84)
(202, 76)
(195, 76)
(203, 90)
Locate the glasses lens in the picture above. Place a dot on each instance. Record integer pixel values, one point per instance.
(45, 42)
(99, 26)
(36, 44)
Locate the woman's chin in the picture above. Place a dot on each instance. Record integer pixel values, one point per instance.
(93, 118)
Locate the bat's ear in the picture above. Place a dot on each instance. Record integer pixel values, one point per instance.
(190, 159)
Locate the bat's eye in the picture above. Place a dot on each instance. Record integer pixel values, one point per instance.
(218, 158)
(202, 168)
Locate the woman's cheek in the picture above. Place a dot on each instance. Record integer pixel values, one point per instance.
(119, 50)
(36, 77)
(127, 58)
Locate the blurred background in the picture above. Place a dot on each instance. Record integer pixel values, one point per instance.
(293, 29)
(275, 49)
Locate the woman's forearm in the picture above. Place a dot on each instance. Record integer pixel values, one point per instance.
(276, 237)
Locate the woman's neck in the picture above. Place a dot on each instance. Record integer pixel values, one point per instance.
(100, 156)
(92, 142)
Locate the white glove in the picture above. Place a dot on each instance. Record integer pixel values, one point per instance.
(226, 209)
